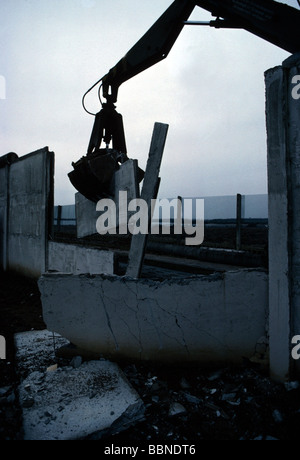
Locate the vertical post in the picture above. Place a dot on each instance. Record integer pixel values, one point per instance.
(179, 218)
(4, 209)
(283, 130)
(238, 221)
(149, 192)
(59, 211)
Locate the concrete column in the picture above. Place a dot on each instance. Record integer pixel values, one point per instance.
(283, 130)
(3, 216)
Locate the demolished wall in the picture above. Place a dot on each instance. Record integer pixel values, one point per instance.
(213, 318)
(26, 206)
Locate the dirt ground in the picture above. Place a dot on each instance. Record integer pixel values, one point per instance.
(254, 237)
(183, 405)
(20, 311)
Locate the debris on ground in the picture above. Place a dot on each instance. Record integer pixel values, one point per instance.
(183, 404)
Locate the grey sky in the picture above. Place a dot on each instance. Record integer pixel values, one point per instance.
(210, 90)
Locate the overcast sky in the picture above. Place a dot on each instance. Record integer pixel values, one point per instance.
(210, 90)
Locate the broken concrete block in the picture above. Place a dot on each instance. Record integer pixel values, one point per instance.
(69, 404)
(176, 409)
(90, 400)
(76, 361)
(52, 368)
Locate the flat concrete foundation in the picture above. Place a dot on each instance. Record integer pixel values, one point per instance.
(70, 402)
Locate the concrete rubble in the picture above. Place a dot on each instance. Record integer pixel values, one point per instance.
(76, 401)
(181, 404)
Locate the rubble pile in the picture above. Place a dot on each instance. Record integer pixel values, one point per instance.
(183, 404)
(231, 403)
(190, 405)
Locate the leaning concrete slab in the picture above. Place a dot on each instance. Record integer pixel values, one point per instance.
(149, 192)
(71, 403)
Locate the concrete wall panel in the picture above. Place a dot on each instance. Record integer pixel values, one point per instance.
(30, 212)
(212, 318)
(86, 216)
(125, 180)
(69, 258)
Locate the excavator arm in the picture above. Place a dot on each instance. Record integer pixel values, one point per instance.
(270, 20)
(153, 47)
